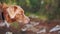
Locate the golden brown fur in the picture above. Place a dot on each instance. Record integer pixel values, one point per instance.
(18, 17)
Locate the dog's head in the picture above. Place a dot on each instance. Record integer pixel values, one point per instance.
(16, 13)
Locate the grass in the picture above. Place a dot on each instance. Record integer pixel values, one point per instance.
(15, 24)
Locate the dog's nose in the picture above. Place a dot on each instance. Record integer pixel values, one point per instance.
(26, 20)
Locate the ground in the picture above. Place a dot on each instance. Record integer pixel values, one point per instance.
(33, 27)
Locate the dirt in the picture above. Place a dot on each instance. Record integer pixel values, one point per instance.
(46, 24)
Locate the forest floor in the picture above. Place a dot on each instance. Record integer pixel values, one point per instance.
(35, 26)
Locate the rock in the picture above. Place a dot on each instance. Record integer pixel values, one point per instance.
(56, 28)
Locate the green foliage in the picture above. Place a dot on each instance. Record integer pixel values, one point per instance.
(15, 25)
(38, 7)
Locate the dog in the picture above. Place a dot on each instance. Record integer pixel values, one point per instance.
(14, 13)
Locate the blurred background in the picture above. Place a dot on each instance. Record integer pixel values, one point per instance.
(41, 13)
(42, 9)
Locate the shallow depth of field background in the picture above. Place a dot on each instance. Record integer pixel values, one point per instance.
(42, 9)
(46, 13)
